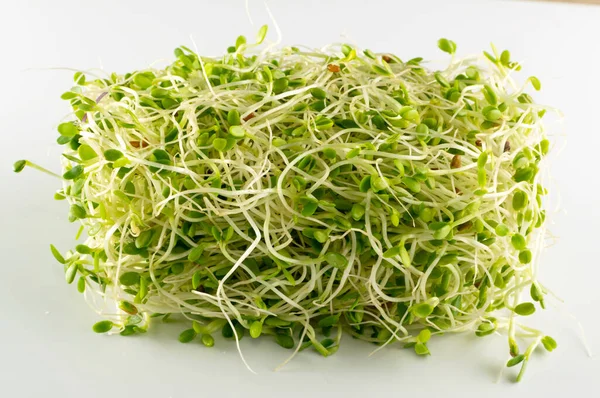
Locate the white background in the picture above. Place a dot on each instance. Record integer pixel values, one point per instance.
(47, 347)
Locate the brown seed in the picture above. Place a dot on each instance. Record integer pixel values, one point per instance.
(248, 117)
(333, 68)
(478, 143)
(129, 308)
(455, 164)
(507, 146)
(456, 190)
(138, 144)
(465, 226)
(386, 58)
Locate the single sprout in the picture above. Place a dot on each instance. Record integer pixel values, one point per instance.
(304, 194)
(19, 165)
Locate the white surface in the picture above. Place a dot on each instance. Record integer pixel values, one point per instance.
(46, 344)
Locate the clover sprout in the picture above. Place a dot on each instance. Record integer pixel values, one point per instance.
(296, 192)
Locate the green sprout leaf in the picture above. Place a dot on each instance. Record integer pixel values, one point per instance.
(67, 129)
(57, 254)
(336, 260)
(421, 349)
(447, 46)
(549, 343)
(515, 361)
(19, 166)
(113, 154)
(102, 326)
(422, 310)
(262, 33)
(187, 335)
(525, 309)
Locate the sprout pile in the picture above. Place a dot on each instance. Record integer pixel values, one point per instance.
(299, 194)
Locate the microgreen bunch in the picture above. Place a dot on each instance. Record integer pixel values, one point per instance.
(297, 193)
